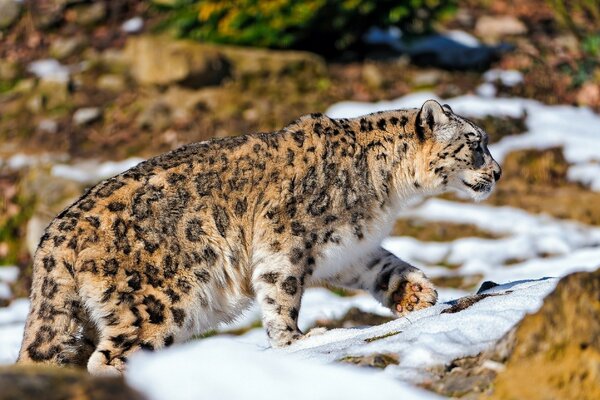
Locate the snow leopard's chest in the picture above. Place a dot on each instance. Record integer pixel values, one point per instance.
(347, 249)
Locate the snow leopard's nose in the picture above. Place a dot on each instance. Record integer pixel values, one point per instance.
(497, 171)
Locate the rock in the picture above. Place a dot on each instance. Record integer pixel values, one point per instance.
(48, 126)
(454, 50)
(499, 26)
(557, 348)
(427, 78)
(465, 377)
(86, 115)
(111, 82)
(463, 303)
(47, 14)
(9, 12)
(53, 195)
(377, 360)
(487, 285)
(155, 117)
(113, 61)
(47, 94)
(372, 76)
(28, 382)
(63, 47)
(159, 61)
(89, 14)
(9, 70)
(55, 94)
(589, 94)
(252, 62)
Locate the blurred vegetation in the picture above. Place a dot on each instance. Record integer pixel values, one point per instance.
(316, 25)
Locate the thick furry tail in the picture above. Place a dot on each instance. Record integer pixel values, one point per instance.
(56, 331)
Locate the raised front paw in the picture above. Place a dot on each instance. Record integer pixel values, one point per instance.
(406, 290)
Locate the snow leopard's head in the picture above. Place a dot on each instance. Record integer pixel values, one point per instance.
(458, 155)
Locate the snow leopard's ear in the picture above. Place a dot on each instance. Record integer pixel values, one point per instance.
(447, 108)
(433, 119)
(432, 114)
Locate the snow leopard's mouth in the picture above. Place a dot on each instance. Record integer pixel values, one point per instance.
(481, 186)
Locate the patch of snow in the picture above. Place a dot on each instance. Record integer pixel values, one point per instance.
(91, 172)
(317, 303)
(427, 337)
(133, 25)
(11, 337)
(508, 77)
(48, 125)
(486, 90)
(5, 292)
(423, 339)
(9, 273)
(588, 174)
(19, 161)
(86, 115)
(15, 312)
(205, 369)
(12, 324)
(538, 239)
(49, 69)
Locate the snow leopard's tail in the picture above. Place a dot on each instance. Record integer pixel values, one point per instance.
(56, 331)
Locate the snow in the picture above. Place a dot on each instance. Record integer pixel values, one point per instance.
(133, 25)
(228, 370)
(587, 174)
(49, 69)
(486, 90)
(5, 292)
(425, 339)
(12, 323)
(508, 77)
(20, 160)
(90, 172)
(8, 275)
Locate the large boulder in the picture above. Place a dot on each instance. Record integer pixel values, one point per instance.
(556, 353)
(157, 60)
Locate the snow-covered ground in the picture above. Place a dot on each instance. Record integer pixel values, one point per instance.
(305, 370)
(531, 251)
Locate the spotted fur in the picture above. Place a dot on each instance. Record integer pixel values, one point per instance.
(186, 240)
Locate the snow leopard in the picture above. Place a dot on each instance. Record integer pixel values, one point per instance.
(189, 239)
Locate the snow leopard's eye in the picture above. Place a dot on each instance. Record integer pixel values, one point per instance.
(478, 159)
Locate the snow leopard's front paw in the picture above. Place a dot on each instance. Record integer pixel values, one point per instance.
(407, 290)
